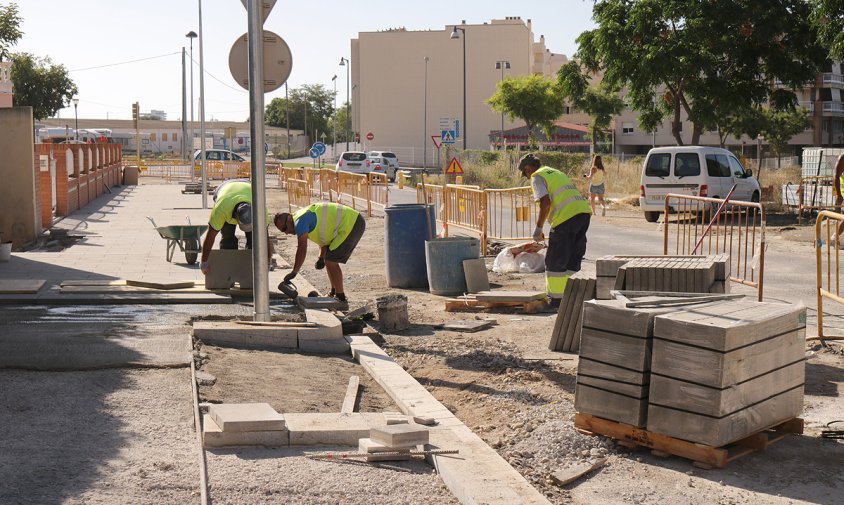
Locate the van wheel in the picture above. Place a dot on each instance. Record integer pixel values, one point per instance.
(652, 216)
(755, 197)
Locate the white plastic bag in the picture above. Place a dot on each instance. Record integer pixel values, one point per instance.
(530, 262)
(505, 263)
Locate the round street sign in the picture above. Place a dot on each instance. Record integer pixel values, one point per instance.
(278, 61)
(313, 153)
(370, 136)
(320, 147)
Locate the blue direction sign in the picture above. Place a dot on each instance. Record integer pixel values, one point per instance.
(320, 147)
(313, 153)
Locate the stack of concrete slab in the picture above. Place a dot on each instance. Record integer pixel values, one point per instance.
(613, 373)
(565, 336)
(683, 274)
(723, 371)
(243, 424)
(393, 442)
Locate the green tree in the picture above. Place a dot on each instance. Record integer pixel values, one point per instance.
(10, 33)
(780, 125)
(828, 18)
(41, 85)
(703, 59)
(310, 106)
(343, 115)
(600, 103)
(532, 98)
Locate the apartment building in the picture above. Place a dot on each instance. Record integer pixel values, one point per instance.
(404, 82)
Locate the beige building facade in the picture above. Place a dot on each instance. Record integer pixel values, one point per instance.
(388, 78)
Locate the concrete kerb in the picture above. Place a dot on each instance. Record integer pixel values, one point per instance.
(478, 474)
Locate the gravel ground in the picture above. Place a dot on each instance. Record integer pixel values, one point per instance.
(258, 476)
(97, 437)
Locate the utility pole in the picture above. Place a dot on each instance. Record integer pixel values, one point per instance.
(184, 110)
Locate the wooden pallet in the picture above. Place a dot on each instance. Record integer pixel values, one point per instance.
(703, 456)
(470, 304)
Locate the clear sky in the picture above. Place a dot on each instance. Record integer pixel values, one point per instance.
(82, 34)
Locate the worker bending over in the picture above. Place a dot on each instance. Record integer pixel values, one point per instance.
(568, 212)
(232, 208)
(335, 228)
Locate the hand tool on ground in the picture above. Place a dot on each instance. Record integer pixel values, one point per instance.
(351, 455)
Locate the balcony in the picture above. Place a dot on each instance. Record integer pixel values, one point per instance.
(833, 80)
(5, 76)
(829, 108)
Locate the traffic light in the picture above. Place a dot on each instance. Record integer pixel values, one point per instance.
(136, 114)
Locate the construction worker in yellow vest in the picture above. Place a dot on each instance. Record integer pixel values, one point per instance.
(568, 213)
(335, 228)
(838, 184)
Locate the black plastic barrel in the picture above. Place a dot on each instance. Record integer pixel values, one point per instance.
(404, 244)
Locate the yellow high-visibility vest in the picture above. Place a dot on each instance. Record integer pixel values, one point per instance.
(566, 200)
(334, 222)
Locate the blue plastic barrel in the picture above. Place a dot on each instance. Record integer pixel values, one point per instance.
(404, 244)
(444, 257)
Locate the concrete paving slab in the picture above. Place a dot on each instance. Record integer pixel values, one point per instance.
(246, 417)
(399, 435)
(18, 286)
(214, 437)
(331, 428)
(320, 302)
(229, 333)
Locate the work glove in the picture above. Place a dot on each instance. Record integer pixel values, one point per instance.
(320, 263)
(538, 236)
(205, 267)
(289, 277)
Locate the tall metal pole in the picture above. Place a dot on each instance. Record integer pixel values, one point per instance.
(191, 35)
(260, 261)
(455, 35)
(203, 179)
(503, 64)
(76, 116)
(334, 144)
(425, 120)
(345, 61)
(287, 116)
(184, 109)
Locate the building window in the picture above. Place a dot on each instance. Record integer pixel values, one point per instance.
(627, 129)
(174, 137)
(152, 137)
(164, 137)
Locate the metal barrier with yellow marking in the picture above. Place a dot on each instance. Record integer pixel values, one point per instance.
(328, 184)
(288, 173)
(511, 213)
(465, 208)
(379, 187)
(356, 188)
(739, 231)
(433, 197)
(312, 176)
(815, 193)
(827, 265)
(298, 194)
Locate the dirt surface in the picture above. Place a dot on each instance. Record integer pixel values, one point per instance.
(277, 378)
(505, 385)
(97, 437)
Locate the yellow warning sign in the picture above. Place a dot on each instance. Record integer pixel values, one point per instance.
(454, 167)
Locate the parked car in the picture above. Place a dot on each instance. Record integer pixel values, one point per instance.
(389, 160)
(218, 155)
(354, 161)
(692, 170)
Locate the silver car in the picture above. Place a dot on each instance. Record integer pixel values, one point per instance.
(354, 161)
(389, 162)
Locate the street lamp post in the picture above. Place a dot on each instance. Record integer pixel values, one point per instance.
(425, 119)
(191, 35)
(456, 35)
(76, 116)
(345, 62)
(287, 116)
(502, 65)
(334, 144)
(203, 178)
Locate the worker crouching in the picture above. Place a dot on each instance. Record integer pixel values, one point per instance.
(335, 228)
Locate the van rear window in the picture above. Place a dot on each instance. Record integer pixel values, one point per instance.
(658, 165)
(354, 156)
(686, 164)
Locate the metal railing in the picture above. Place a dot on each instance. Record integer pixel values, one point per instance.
(827, 265)
(354, 188)
(379, 189)
(738, 231)
(465, 208)
(511, 213)
(432, 195)
(328, 184)
(815, 193)
(298, 194)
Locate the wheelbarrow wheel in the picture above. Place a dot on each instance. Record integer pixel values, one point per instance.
(191, 251)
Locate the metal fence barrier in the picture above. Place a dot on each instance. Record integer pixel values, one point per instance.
(379, 189)
(739, 231)
(298, 194)
(511, 213)
(328, 184)
(827, 264)
(356, 188)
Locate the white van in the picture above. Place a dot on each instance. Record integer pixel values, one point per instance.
(692, 170)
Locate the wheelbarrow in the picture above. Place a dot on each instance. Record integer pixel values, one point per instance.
(187, 238)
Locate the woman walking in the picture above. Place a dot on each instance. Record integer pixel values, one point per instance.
(596, 185)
